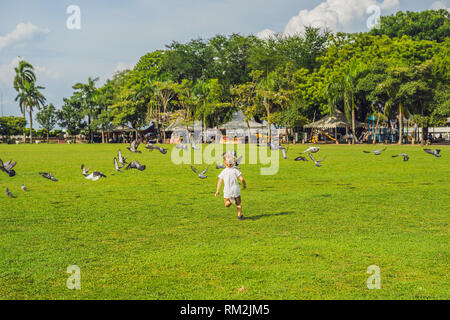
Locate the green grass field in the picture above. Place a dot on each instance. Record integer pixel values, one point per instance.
(310, 232)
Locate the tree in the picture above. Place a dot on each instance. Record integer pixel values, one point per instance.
(47, 118)
(342, 90)
(164, 92)
(424, 25)
(71, 117)
(87, 92)
(211, 103)
(271, 97)
(186, 99)
(30, 97)
(303, 51)
(11, 126)
(408, 90)
(24, 74)
(130, 106)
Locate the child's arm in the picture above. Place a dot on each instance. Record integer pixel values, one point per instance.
(219, 185)
(244, 184)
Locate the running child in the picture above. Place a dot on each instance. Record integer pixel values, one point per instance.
(229, 178)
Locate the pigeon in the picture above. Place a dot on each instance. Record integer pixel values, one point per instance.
(24, 188)
(134, 147)
(149, 146)
(94, 176)
(84, 171)
(8, 193)
(435, 153)
(200, 175)
(160, 149)
(301, 159)
(312, 150)
(316, 162)
(122, 160)
(220, 166)
(275, 147)
(404, 155)
(7, 167)
(238, 162)
(195, 147)
(182, 146)
(116, 165)
(135, 165)
(48, 176)
(376, 152)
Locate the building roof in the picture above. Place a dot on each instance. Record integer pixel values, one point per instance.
(178, 125)
(238, 122)
(337, 120)
(122, 128)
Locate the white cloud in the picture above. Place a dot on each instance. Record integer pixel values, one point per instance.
(335, 15)
(439, 5)
(121, 66)
(46, 72)
(7, 72)
(266, 34)
(22, 32)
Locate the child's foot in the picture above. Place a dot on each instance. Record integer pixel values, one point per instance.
(241, 217)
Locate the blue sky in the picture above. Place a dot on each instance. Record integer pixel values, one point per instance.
(114, 34)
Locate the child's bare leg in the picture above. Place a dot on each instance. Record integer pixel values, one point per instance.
(227, 203)
(239, 206)
(239, 209)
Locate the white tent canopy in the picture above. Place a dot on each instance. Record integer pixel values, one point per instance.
(338, 120)
(238, 122)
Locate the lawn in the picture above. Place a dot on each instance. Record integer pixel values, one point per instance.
(309, 232)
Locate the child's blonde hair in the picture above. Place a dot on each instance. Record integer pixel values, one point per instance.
(229, 160)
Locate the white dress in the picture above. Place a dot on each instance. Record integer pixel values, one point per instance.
(231, 185)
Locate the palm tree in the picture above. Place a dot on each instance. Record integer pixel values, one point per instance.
(30, 97)
(24, 74)
(271, 97)
(391, 89)
(88, 91)
(343, 90)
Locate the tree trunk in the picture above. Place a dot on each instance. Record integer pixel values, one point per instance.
(90, 130)
(353, 125)
(103, 136)
(24, 131)
(269, 129)
(47, 136)
(31, 126)
(400, 125)
(376, 131)
(336, 135)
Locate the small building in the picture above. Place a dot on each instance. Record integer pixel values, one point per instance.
(238, 130)
(330, 123)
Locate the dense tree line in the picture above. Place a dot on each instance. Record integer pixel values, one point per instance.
(400, 69)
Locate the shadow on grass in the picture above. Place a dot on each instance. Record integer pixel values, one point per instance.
(268, 215)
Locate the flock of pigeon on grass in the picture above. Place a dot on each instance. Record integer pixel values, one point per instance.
(120, 162)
